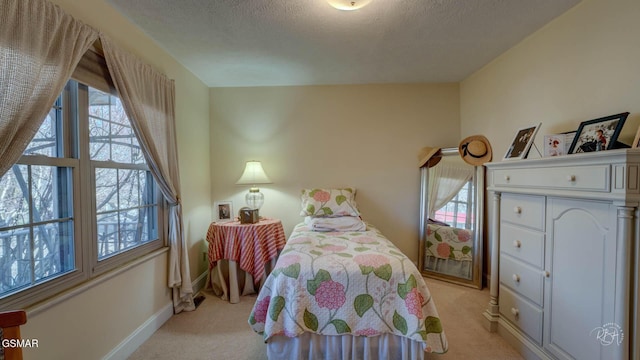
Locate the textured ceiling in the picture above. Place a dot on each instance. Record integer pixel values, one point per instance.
(228, 43)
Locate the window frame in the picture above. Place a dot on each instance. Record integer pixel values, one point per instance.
(101, 266)
(91, 72)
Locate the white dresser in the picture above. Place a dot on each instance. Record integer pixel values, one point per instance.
(564, 255)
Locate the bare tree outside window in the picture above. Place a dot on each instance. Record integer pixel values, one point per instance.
(37, 195)
(125, 206)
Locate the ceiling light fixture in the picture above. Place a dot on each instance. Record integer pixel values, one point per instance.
(348, 4)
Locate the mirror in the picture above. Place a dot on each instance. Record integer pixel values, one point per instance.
(451, 217)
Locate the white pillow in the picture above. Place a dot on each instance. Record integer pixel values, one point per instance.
(342, 223)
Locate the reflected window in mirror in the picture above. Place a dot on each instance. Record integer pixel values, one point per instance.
(451, 210)
(456, 212)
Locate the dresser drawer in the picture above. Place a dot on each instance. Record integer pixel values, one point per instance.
(525, 210)
(522, 278)
(525, 316)
(585, 177)
(523, 244)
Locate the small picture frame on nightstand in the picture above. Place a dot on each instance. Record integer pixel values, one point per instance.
(224, 211)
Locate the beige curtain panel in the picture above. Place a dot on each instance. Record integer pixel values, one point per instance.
(148, 98)
(40, 45)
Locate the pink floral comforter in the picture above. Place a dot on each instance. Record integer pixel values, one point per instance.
(448, 242)
(355, 283)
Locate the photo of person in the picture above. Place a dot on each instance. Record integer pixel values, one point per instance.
(601, 140)
(598, 134)
(554, 145)
(224, 210)
(521, 144)
(596, 137)
(558, 144)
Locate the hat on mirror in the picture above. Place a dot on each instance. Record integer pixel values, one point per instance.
(429, 156)
(475, 150)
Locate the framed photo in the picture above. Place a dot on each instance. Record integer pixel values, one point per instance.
(224, 211)
(554, 145)
(521, 144)
(558, 144)
(598, 134)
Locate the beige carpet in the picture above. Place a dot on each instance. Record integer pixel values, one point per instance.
(219, 330)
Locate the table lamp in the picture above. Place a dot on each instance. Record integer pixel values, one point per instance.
(253, 175)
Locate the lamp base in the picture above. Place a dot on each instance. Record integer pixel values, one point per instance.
(254, 198)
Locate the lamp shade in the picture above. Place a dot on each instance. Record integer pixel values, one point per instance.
(253, 174)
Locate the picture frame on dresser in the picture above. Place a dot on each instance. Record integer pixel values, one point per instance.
(598, 134)
(223, 210)
(558, 144)
(521, 144)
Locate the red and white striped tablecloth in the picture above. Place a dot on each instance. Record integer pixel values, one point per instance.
(250, 245)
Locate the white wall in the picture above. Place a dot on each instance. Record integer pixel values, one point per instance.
(93, 323)
(581, 66)
(365, 136)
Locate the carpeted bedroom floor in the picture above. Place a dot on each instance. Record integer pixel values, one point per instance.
(219, 330)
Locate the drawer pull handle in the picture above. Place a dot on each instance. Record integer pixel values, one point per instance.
(547, 274)
(517, 210)
(517, 243)
(515, 312)
(571, 178)
(516, 278)
(507, 178)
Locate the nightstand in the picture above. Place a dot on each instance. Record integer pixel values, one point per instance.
(254, 247)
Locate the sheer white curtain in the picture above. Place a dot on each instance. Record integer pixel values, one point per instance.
(445, 181)
(148, 98)
(40, 45)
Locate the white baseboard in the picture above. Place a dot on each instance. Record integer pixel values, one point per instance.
(141, 334)
(144, 332)
(200, 282)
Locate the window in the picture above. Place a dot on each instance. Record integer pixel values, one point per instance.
(126, 210)
(457, 212)
(80, 201)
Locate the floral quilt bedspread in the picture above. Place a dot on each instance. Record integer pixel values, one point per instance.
(448, 242)
(355, 283)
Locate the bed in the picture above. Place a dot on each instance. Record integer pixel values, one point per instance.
(343, 295)
(449, 250)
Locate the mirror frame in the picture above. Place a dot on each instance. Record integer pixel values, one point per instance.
(478, 212)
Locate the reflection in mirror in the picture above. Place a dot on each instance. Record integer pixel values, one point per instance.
(451, 209)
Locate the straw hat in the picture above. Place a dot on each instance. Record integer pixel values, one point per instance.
(475, 150)
(429, 156)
